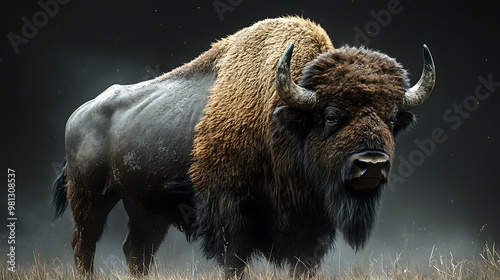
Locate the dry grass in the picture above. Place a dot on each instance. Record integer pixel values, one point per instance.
(485, 265)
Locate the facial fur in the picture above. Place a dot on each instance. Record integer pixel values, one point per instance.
(359, 91)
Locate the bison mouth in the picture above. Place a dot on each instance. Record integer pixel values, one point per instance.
(368, 170)
(365, 184)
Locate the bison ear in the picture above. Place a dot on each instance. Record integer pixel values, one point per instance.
(404, 121)
(291, 119)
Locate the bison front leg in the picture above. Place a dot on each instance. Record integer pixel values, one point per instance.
(227, 232)
(306, 259)
(235, 257)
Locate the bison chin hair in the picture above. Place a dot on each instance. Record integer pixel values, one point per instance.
(352, 212)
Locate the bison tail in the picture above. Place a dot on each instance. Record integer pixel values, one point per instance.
(59, 200)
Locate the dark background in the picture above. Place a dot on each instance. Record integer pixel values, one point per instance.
(449, 197)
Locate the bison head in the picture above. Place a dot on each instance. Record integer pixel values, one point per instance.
(339, 125)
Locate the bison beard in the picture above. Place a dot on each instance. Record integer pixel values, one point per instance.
(353, 212)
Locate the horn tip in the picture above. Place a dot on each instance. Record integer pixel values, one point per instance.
(427, 53)
(286, 57)
(289, 50)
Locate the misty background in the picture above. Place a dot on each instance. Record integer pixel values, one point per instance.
(445, 193)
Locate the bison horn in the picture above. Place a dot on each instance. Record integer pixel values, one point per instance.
(417, 94)
(293, 95)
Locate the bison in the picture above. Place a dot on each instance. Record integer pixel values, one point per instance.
(252, 148)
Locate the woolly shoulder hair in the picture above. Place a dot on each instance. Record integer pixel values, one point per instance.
(229, 137)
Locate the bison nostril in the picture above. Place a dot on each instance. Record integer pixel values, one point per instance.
(359, 167)
(370, 164)
(368, 169)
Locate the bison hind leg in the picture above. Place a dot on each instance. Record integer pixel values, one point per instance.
(144, 236)
(89, 211)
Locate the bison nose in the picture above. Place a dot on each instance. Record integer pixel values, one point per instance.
(369, 169)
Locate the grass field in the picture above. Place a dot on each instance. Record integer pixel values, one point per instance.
(482, 265)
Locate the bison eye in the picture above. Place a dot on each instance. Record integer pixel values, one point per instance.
(392, 122)
(332, 120)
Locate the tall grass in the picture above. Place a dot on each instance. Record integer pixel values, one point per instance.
(484, 265)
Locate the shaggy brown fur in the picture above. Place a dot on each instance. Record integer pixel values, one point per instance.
(229, 151)
(243, 97)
